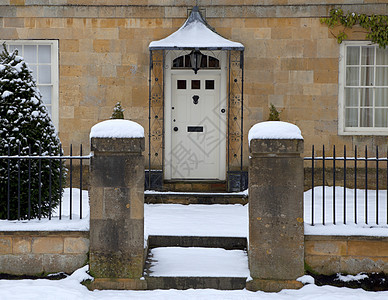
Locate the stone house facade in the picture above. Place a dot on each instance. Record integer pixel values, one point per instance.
(87, 55)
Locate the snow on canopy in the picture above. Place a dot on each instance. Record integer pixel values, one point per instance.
(277, 130)
(195, 33)
(117, 128)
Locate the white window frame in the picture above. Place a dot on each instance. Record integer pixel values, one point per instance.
(54, 72)
(342, 129)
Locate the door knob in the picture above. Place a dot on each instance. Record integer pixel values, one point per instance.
(195, 99)
(223, 110)
(175, 128)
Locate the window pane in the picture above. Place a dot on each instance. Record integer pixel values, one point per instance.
(213, 62)
(46, 93)
(381, 97)
(187, 61)
(178, 62)
(366, 97)
(351, 96)
(368, 55)
(44, 74)
(49, 109)
(34, 70)
(181, 84)
(353, 56)
(381, 116)
(352, 76)
(209, 84)
(367, 76)
(351, 117)
(366, 117)
(11, 48)
(44, 54)
(382, 56)
(381, 76)
(30, 54)
(204, 61)
(195, 84)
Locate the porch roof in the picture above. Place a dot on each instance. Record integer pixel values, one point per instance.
(195, 33)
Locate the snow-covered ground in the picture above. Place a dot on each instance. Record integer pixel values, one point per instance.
(355, 212)
(229, 220)
(197, 261)
(196, 220)
(71, 289)
(55, 224)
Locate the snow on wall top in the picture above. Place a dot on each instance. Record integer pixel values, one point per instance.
(277, 130)
(117, 128)
(194, 33)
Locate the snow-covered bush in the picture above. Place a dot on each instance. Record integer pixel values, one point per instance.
(118, 112)
(24, 123)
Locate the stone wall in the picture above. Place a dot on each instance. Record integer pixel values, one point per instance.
(291, 59)
(346, 254)
(34, 252)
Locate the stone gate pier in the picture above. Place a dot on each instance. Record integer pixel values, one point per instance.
(276, 232)
(117, 205)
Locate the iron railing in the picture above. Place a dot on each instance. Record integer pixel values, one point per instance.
(66, 164)
(348, 190)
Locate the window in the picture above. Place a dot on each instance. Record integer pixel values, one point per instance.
(363, 93)
(42, 58)
(207, 62)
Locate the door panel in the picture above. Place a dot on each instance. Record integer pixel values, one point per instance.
(195, 127)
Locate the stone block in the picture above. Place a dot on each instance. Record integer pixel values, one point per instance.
(76, 245)
(326, 76)
(368, 248)
(266, 285)
(42, 245)
(68, 263)
(288, 64)
(322, 264)
(101, 45)
(67, 112)
(326, 247)
(301, 77)
(113, 145)
(355, 265)
(281, 33)
(21, 264)
(13, 22)
(289, 147)
(117, 284)
(21, 245)
(17, 2)
(116, 265)
(5, 245)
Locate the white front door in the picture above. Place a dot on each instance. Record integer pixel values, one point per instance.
(197, 127)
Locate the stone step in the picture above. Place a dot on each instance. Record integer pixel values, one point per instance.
(196, 267)
(228, 243)
(184, 283)
(152, 197)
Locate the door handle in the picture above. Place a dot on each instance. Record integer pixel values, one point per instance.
(175, 128)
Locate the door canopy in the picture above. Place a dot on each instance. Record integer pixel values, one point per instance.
(195, 33)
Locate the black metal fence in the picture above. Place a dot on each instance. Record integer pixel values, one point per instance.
(21, 180)
(347, 190)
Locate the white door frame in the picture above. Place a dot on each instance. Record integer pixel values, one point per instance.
(170, 56)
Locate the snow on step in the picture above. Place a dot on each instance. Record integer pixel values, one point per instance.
(196, 220)
(198, 262)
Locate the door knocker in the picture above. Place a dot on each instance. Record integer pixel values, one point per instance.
(195, 99)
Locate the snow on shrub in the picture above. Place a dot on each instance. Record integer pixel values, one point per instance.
(25, 122)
